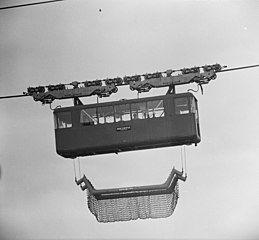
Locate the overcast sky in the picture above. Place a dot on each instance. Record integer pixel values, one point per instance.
(72, 40)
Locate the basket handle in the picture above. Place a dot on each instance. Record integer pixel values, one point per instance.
(87, 184)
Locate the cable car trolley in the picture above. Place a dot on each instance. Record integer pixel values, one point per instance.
(119, 126)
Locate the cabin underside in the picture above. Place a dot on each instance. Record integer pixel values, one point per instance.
(125, 148)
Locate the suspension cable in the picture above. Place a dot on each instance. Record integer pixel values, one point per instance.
(29, 4)
(184, 151)
(14, 96)
(74, 164)
(79, 167)
(182, 157)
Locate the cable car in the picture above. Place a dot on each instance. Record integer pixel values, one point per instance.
(127, 125)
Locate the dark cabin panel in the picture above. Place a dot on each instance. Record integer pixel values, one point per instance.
(123, 134)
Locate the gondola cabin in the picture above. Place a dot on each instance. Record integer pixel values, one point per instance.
(126, 125)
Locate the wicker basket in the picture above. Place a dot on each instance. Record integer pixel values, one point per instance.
(124, 204)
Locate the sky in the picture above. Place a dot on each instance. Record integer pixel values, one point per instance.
(72, 40)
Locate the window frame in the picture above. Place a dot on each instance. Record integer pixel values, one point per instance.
(185, 110)
(104, 117)
(126, 111)
(93, 116)
(58, 121)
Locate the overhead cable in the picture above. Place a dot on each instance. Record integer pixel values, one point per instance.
(29, 4)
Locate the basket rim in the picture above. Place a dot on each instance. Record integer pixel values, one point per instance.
(165, 188)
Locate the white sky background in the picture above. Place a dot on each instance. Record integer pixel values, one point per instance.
(72, 40)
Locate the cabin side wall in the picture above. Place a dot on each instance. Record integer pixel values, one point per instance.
(170, 130)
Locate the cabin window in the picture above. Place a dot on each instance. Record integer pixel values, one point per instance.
(106, 114)
(193, 106)
(63, 120)
(150, 109)
(139, 110)
(181, 105)
(155, 109)
(122, 112)
(88, 117)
